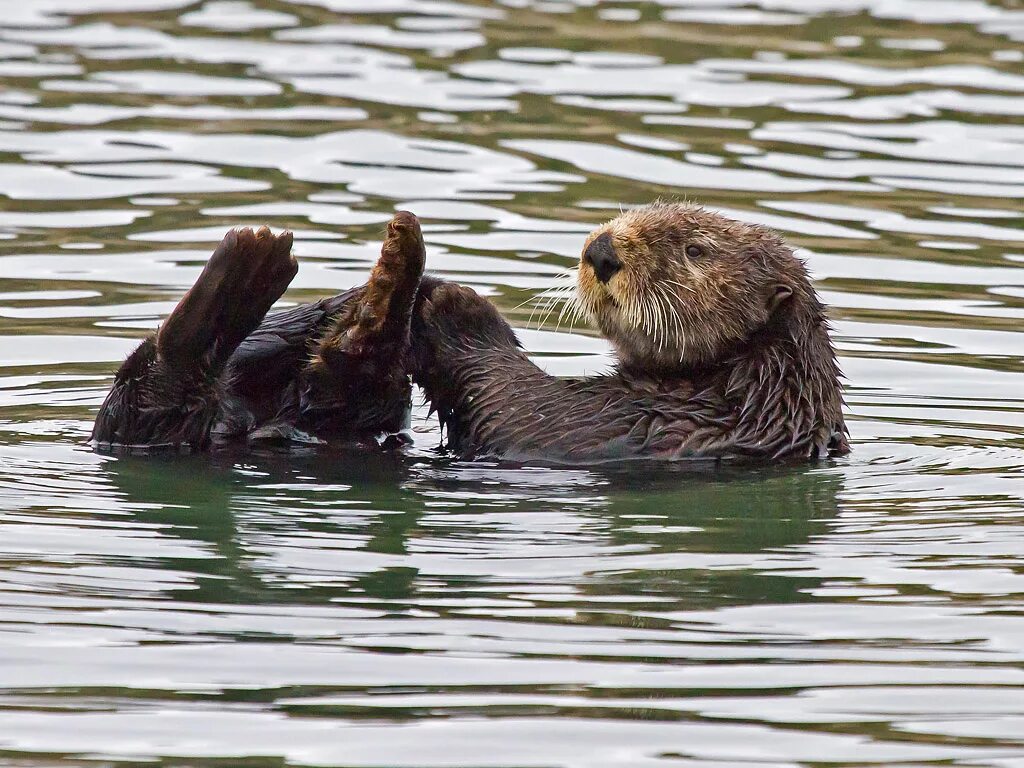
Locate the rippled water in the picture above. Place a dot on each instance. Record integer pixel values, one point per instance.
(409, 611)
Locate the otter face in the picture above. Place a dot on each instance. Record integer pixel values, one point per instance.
(675, 286)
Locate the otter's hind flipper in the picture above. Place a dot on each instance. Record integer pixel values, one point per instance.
(357, 380)
(243, 278)
(168, 392)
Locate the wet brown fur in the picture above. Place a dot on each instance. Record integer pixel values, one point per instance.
(723, 353)
(220, 369)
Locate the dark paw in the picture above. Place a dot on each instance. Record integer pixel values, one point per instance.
(457, 316)
(357, 377)
(378, 323)
(386, 307)
(243, 278)
(264, 259)
(253, 271)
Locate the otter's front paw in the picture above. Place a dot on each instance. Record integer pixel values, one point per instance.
(457, 316)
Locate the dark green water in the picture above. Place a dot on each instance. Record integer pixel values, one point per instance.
(352, 610)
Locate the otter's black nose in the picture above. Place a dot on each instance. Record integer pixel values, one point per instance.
(600, 255)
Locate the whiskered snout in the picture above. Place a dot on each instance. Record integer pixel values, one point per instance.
(601, 257)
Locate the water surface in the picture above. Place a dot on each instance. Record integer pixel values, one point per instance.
(339, 609)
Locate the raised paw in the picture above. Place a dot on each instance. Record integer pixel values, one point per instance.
(377, 323)
(385, 309)
(243, 278)
(263, 267)
(357, 378)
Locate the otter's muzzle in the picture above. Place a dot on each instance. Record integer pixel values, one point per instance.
(600, 255)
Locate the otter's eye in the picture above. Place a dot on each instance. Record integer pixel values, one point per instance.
(694, 251)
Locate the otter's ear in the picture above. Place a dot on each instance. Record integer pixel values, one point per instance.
(780, 293)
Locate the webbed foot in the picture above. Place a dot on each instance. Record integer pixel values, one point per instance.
(357, 378)
(243, 278)
(168, 391)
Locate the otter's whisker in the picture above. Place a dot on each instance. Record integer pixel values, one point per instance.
(571, 310)
(648, 315)
(555, 294)
(581, 311)
(666, 304)
(636, 316)
(546, 310)
(676, 283)
(539, 300)
(562, 314)
(575, 312)
(548, 295)
(676, 319)
(531, 298)
(655, 315)
(661, 335)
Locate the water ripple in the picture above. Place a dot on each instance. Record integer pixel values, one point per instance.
(339, 608)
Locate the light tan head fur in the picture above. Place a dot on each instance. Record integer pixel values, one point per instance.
(688, 284)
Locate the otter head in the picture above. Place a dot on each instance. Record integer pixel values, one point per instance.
(675, 287)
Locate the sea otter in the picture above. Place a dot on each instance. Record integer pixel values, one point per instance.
(723, 349)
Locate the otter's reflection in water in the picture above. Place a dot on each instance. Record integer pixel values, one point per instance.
(365, 527)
